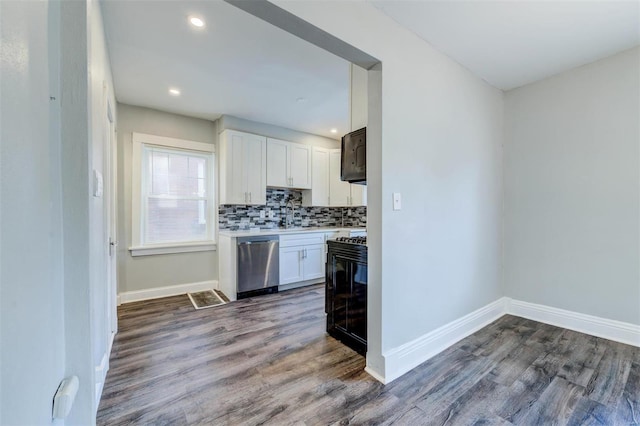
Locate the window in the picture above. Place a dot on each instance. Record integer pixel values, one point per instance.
(173, 205)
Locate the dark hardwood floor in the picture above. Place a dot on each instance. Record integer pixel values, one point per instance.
(268, 360)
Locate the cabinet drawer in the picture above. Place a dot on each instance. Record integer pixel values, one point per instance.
(301, 239)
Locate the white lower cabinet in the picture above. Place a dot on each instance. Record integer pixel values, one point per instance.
(291, 265)
(302, 257)
(313, 262)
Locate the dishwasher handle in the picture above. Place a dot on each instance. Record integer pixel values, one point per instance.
(246, 243)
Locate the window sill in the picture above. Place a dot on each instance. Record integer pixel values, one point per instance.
(172, 248)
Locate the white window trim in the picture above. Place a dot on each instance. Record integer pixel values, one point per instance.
(137, 248)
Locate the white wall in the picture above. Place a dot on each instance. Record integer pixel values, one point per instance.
(572, 216)
(85, 72)
(32, 345)
(145, 272)
(442, 150)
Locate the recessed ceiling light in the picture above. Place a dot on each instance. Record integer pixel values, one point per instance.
(334, 130)
(174, 92)
(300, 100)
(196, 22)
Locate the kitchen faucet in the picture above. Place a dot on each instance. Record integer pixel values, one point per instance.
(288, 222)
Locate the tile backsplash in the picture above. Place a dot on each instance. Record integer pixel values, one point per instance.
(233, 217)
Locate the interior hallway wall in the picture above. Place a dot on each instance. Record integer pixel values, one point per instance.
(32, 323)
(572, 190)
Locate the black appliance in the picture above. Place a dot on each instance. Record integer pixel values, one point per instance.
(346, 291)
(353, 157)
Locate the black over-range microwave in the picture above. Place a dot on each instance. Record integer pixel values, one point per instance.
(353, 165)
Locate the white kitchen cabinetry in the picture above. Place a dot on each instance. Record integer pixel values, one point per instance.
(243, 168)
(339, 191)
(327, 189)
(301, 257)
(288, 164)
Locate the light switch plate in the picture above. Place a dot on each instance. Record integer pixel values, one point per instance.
(397, 201)
(98, 184)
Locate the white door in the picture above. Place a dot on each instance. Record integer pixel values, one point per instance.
(278, 163)
(339, 191)
(300, 166)
(313, 262)
(291, 265)
(256, 169)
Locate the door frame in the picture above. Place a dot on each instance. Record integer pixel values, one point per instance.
(111, 152)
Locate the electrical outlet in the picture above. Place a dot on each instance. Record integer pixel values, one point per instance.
(272, 214)
(261, 214)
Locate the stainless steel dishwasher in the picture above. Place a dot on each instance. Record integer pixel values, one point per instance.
(258, 265)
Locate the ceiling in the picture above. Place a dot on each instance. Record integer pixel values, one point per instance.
(242, 66)
(236, 65)
(513, 43)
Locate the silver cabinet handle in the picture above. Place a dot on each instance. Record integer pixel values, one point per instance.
(249, 197)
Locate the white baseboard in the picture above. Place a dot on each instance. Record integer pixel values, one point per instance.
(402, 359)
(379, 377)
(601, 327)
(172, 290)
(101, 375)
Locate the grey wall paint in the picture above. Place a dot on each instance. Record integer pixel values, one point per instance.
(441, 148)
(571, 190)
(32, 335)
(234, 123)
(144, 272)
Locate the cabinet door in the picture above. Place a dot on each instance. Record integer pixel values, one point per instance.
(300, 165)
(313, 262)
(358, 195)
(339, 191)
(277, 163)
(291, 265)
(256, 168)
(319, 194)
(233, 188)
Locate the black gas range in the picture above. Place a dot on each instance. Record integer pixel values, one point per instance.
(346, 291)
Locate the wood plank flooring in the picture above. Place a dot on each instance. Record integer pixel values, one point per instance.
(267, 360)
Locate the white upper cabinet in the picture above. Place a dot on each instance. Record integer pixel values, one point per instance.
(319, 194)
(327, 189)
(288, 164)
(277, 163)
(243, 168)
(358, 195)
(339, 191)
(300, 166)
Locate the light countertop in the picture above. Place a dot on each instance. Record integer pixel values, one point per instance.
(283, 231)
